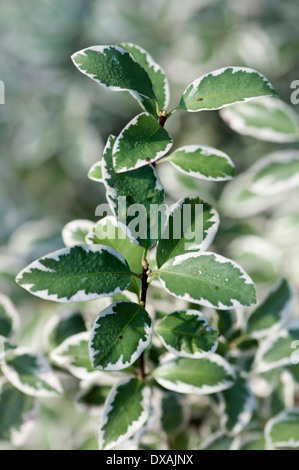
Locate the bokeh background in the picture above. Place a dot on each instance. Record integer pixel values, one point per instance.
(55, 122)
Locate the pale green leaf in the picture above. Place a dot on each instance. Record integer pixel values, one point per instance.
(119, 335)
(187, 333)
(191, 226)
(114, 68)
(77, 273)
(267, 119)
(207, 279)
(133, 196)
(31, 374)
(278, 350)
(272, 312)
(141, 142)
(200, 376)
(73, 355)
(202, 161)
(95, 172)
(74, 232)
(282, 431)
(224, 87)
(277, 173)
(126, 410)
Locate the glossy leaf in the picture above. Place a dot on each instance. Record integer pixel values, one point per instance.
(141, 142)
(76, 274)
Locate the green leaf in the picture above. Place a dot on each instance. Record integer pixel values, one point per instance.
(119, 335)
(279, 350)
(277, 173)
(141, 142)
(172, 413)
(9, 317)
(31, 374)
(114, 68)
(73, 355)
(192, 225)
(202, 161)
(253, 441)
(187, 333)
(140, 190)
(200, 376)
(107, 232)
(5, 347)
(156, 74)
(272, 313)
(283, 430)
(76, 274)
(239, 404)
(224, 87)
(207, 279)
(17, 412)
(126, 410)
(267, 119)
(95, 172)
(61, 327)
(74, 232)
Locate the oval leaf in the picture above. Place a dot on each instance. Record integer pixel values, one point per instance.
(31, 374)
(114, 68)
(73, 355)
(126, 410)
(156, 74)
(76, 274)
(272, 312)
(17, 411)
(95, 172)
(283, 430)
(140, 189)
(74, 232)
(200, 376)
(277, 173)
(187, 333)
(224, 87)
(239, 404)
(207, 279)
(192, 225)
(143, 140)
(61, 327)
(266, 119)
(120, 334)
(202, 161)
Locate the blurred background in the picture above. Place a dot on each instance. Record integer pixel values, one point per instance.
(55, 122)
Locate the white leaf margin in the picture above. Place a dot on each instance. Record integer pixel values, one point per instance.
(195, 84)
(141, 346)
(284, 416)
(80, 296)
(236, 122)
(69, 231)
(182, 387)
(206, 151)
(202, 301)
(45, 373)
(140, 162)
(181, 353)
(135, 425)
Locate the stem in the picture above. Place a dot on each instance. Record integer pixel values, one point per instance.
(144, 287)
